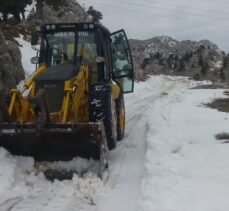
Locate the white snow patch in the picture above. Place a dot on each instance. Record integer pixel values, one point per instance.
(218, 64)
(164, 38)
(77, 164)
(22, 189)
(27, 53)
(150, 45)
(171, 44)
(185, 168)
(29, 8)
(193, 84)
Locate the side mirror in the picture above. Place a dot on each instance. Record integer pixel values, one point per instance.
(34, 60)
(34, 38)
(35, 41)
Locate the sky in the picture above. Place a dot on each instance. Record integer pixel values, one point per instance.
(180, 19)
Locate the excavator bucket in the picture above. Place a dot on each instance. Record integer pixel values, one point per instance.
(57, 142)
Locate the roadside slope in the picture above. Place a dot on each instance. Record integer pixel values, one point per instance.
(186, 169)
(122, 191)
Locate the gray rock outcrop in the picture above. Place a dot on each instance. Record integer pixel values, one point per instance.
(164, 55)
(11, 70)
(69, 11)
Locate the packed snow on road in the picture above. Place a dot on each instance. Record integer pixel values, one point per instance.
(169, 159)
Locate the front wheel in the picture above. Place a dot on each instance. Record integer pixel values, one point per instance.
(102, 108)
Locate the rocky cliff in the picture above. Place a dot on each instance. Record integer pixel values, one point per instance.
(64, 11)
(11, 70)
(164, 55)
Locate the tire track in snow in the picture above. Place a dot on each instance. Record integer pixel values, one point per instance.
(144, 102)
(9, 204)
(127, 162)
(161, 150)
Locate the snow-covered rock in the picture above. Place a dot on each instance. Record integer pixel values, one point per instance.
(163, 54)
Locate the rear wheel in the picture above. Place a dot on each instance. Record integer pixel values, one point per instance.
(102, 108)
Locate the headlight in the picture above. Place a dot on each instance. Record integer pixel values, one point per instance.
(53, 27)
(91, 26)
(48, 27)
(85, 26)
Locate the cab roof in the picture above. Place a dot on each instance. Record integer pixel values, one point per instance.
(65, 27)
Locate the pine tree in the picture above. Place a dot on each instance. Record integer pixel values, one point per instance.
(96, 15)
(187, 56)
(201, 61)
(181, 65)
(225, 62)
(157, 55)
(205, 68)
(222, 74)
(144, 63)
(39, 8)
(13, 7)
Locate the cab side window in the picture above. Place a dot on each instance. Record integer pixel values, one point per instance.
(122, 61)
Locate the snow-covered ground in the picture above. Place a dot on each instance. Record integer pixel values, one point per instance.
(169, 160)
(185, 167)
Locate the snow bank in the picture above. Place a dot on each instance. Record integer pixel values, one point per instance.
(77, 164)
(185, 167)
(23, 189)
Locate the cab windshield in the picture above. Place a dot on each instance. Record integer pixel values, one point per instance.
(61, 48)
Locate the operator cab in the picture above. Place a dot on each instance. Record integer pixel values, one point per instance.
(65, 47)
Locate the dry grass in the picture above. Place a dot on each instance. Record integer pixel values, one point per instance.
(226, 93)
(163, 93)
(222, 136)
(221, 104)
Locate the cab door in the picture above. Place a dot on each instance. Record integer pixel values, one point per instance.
(122, 63)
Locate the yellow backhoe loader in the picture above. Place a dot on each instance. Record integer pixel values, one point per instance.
(73, 104)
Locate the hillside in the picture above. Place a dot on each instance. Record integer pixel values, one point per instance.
(164, 55)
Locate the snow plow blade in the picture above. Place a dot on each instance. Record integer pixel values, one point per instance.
(56, 141)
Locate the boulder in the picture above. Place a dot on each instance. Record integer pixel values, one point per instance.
(70, 11)
(11, 70)
(165, 55)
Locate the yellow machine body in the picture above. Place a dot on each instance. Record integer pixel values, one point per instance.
(85, 113)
